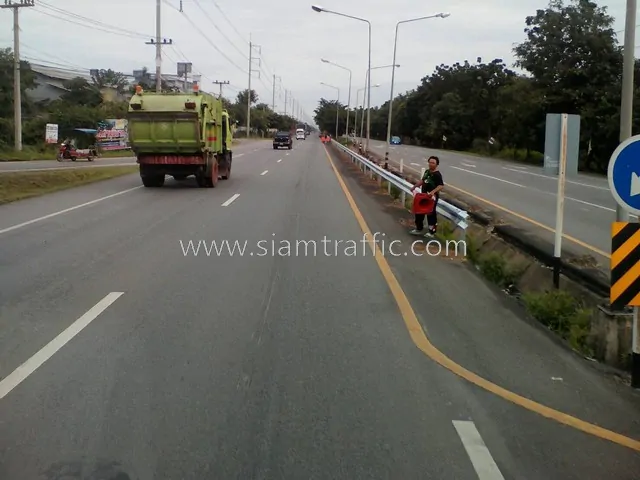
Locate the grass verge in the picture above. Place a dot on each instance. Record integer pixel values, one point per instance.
(21, 185)
(558, 310)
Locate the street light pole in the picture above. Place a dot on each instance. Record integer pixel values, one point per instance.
(348, 96)
(393, 72)
(626, 105)
(319, 9)
(362, 119)
(337, 105)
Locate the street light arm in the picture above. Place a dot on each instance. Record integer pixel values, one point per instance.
(347, 16)
(441, 15)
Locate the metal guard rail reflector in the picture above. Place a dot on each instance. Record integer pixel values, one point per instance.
(452, 213)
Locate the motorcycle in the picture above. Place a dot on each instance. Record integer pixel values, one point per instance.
(69, 152)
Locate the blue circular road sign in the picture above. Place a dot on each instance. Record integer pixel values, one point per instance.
(624, 174)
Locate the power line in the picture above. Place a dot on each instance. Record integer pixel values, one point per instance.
(61, 11)
(229, 22)
(197, 3)
(89, 26)
(212, 44)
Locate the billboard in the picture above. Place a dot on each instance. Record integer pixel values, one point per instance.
(113, 134)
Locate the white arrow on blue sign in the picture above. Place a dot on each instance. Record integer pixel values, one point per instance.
(624, 174)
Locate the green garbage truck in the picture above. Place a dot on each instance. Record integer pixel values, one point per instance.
(179, 135)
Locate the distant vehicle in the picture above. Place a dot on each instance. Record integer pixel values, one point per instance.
(300, 134)
(282, 139)
(395, 140)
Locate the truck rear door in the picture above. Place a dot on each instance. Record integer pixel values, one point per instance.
(165, 132)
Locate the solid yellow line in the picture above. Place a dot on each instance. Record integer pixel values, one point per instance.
(526, 219)
(421, 340)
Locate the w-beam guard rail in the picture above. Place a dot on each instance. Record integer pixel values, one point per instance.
(455, 215)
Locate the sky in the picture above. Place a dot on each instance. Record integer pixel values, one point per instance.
(290, 40)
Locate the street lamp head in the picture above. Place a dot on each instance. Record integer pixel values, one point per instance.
(324, 60)
(317, 8)
(443, 15)
(376, 85)
(397, 66)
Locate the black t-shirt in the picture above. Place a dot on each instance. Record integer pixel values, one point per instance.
(432, 180)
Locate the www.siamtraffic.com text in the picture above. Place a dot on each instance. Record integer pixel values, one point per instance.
(325, 247)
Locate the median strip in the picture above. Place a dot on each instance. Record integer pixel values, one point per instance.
(25, 184)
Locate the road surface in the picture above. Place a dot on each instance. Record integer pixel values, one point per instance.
(137, 358)
(525, 190)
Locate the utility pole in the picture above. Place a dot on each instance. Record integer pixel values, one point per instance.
(285, 101)
(252, 46)
(224, 82)
(273, 99)
(17, 92)
(159, 42)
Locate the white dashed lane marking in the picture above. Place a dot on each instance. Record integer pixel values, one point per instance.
(478, 452)
(231, 200)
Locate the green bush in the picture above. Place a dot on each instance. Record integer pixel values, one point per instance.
(496, 269)
(473, 249)
(563, 314)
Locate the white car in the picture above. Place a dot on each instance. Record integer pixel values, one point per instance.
(300, 135)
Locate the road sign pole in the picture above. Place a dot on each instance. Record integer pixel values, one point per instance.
(635, 354)
(562, 164)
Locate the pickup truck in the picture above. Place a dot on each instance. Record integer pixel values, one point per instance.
(282, 139)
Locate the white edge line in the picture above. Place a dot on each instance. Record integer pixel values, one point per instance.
(264, 173)
(555, 178)
(478, 452)
(45, 353)
(231, 200)
(66, 210)
(489, 176)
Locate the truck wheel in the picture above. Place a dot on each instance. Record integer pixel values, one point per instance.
(201, 180)
(226, 173)
(152, 181)
(215, 175)
(275, 148)
(290, 147)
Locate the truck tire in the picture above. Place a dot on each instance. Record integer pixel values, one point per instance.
(290, 147)
(209, 177)
(152, 181)
(275, 147)
(227, 172)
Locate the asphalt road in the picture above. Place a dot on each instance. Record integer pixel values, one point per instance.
(525, 190)
(119, 353)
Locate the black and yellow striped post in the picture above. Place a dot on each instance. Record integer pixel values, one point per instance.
(625, 281)
(625, 264)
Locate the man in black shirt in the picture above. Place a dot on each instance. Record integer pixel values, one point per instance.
(431, 183)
